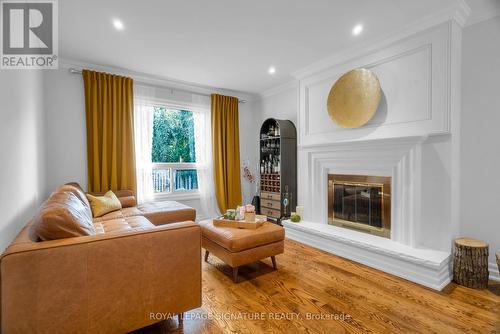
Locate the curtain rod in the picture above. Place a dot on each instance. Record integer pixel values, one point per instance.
(75, 71)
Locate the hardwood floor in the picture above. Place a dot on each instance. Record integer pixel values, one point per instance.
(316, 292)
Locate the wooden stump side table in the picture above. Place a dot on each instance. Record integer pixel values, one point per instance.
(470, 263)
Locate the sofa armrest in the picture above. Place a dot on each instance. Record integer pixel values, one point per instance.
(101, 283)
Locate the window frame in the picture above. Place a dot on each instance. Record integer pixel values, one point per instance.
(172, 166)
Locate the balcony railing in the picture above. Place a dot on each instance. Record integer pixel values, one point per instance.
(169, 178)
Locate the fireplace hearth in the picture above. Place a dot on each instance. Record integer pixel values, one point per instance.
(360, 202)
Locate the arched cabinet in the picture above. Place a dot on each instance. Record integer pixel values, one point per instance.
(278, 168)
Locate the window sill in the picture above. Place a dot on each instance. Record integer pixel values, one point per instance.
(177, 197)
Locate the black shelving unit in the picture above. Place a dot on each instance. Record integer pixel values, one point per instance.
(278, 166)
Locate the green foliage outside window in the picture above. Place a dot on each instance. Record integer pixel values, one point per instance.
(173, 136)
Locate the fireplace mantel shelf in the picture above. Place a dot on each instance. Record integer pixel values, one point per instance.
(425, 266)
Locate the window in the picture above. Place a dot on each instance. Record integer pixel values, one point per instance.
(173, 151)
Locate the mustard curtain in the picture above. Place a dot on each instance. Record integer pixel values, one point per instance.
(110, 131)
(226, 151)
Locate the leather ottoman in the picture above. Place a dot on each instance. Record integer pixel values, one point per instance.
(237, 247)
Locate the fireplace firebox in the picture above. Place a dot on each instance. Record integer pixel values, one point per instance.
(360, 202)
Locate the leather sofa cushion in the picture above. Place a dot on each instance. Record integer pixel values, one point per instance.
(237, 240)
(166, 212)
(126, 224)
(63, 215)
(123, 213)
(77, 191)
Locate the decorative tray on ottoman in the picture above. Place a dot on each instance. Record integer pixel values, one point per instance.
(259, 220)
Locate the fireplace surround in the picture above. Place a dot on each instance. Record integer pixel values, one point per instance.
(400, 252)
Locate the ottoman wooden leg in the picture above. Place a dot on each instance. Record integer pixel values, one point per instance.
(235, 274)
(206, 255)
(273, 258)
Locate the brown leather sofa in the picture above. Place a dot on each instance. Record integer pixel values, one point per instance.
(127, 274)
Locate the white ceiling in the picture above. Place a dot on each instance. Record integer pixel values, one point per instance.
(226, 43)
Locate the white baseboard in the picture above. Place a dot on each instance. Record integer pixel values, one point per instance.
(426, 267)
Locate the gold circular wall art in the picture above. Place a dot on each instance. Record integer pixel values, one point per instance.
(354, 98)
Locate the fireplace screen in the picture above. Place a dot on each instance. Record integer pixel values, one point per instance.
(360, 202)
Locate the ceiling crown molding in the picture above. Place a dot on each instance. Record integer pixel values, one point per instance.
(458, 12)
(484, 13)
(461, 12)
(154, 80)
(294, 84)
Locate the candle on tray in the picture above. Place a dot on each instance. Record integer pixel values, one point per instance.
(300, 211)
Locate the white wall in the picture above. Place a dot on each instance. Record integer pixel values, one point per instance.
(22, 148)
(480, 149)
(66, 134)
(249, 117)
(281, 105)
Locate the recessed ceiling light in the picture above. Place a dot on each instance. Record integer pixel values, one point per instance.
(118, 24)
(272, 70)
(358, 29)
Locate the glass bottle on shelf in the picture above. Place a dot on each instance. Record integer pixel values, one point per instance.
(271, 131)
(262, 167)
